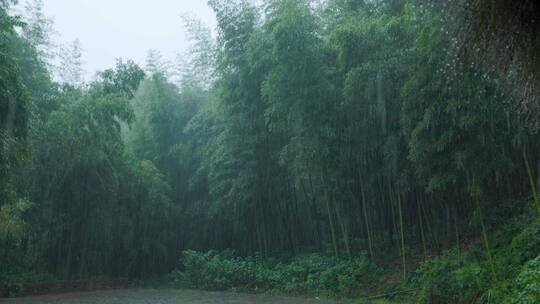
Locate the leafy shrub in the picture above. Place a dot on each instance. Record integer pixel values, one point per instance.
(447, 279)
(216, 270)
(305, 274)
(527, 285)
(13, 279)
(12, 224)
(451, 279)
(526, 245)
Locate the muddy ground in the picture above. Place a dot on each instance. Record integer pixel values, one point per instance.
(133, 296)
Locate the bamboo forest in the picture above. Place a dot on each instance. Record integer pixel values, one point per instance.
(361, 151)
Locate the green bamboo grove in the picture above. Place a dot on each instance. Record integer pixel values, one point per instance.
(339, 126)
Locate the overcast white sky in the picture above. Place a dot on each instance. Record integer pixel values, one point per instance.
(110, 29)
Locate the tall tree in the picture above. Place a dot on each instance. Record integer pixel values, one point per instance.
(70, 69)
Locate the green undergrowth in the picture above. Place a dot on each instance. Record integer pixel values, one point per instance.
(454, 276)
(307, 274)
(13, 279)
(467, 277)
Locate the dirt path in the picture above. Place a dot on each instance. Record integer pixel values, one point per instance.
(133, 296)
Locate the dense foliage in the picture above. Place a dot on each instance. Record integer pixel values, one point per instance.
(464, 277)
(337, 127)
(315, 274)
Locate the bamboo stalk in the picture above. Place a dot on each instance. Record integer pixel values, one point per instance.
(391, 294)
(531, 181)
(486, 240)
(330, 213)
(344, 231)
(393, 214)
(330, 218)
(403, 253)
(422, 234)
(429, 226)
(456, 230)
(366, 221)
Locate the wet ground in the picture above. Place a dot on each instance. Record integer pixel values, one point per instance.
(133, 296)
